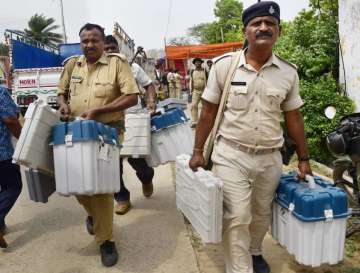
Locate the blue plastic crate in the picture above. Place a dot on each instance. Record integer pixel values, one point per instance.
(168, 119)
(82, 131)
(311, 204)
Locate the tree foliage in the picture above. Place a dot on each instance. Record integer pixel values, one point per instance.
(227, 27)
(4, 49)
(41, 29)
(318, 94)
(180, 41)
(311, 42)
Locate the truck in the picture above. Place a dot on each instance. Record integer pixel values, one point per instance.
(36, 67)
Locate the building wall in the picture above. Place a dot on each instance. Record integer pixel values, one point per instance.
(349, 30)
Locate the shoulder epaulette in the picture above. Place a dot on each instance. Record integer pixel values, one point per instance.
(216, 59)
(287, 62)
(69, 58)
(119, 55)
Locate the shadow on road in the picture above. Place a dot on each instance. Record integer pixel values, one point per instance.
(46, 222)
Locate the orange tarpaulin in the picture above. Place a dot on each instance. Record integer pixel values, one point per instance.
(207, 51)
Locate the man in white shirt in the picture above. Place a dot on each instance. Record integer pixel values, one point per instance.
(144, 173)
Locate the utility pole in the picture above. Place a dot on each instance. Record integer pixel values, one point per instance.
(63, 20)
(222, 34)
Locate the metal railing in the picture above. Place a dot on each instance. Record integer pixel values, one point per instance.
(20, 36)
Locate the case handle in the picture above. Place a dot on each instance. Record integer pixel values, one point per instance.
(311, 181)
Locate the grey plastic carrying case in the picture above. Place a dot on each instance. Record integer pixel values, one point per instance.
(41, 185)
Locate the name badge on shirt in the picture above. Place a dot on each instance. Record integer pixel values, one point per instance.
(75, 78)
(238, 83)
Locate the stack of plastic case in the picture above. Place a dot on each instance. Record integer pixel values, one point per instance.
(185, 96)
(135, 109)
(199, 196)
(171, 136)
(172, 103)
(309, 219)
(137, 140)
(40, 185)
(86, 157)
(33, 150)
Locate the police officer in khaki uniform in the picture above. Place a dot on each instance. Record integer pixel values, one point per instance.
(246, 152)
(197, 85)
(99, 87)
(177, 78)
(172, 83)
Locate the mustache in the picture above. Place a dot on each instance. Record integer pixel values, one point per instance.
(263, 34)
(90, 50)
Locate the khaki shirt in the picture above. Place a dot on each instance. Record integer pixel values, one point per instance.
(177, 78)
(89, 87)
(256, 100)
(198, 80)
(171, 79)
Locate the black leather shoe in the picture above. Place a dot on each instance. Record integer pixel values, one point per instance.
(109, 254)
(148, 189)
(3, 229)
(260, 265)
(90, 225)
(3, 243)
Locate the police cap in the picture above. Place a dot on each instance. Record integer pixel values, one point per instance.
(265, 8)
(197, 60)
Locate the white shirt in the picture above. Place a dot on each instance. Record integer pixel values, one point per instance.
(142, 79)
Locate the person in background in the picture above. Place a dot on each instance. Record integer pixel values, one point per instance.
(165, 82)
(246, 154)
(177, 78)
(172, 83)
(209, 64)
(198, 78)
(100, 87)
(158, 72)
(144, 173)
(10, 181)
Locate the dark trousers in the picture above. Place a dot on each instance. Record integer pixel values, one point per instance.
(143, 172)
(10, 187)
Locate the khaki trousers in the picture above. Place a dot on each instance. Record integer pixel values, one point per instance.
(101, 208)
(172, 92)
(250, 182)
(178, 93)
(195, 100)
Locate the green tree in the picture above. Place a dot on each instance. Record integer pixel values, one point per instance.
(327, 8)
(41, 29)
(227, 26)
(180, 41)
(4, 49)
(311, 42)
(318, 94)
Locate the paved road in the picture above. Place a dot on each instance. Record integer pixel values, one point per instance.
(152, 238)
(51, 238)
(211, 260)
